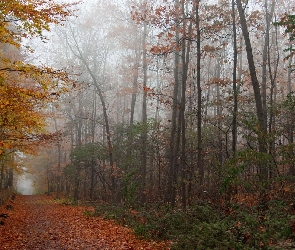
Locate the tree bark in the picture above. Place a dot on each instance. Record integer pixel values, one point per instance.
(235, 91)
(173, 148)
(144, 117)
(199, 103)
(134, 86)
(262, 130)
(185, 57)
(58, 177)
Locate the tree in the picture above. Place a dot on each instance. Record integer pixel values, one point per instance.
(92, 55)
(288, 21)
(144, 114)
(199, 91)
(209, 124)
(19, 20)
(260, 112)
(235, 91)
(26, 89)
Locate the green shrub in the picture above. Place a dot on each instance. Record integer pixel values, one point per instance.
(207, 227)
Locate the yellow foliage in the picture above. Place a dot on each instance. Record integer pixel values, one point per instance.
(25, 89)
(29, 18)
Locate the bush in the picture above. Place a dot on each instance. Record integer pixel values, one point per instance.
(207, 227)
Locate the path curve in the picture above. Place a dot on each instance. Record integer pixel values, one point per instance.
(37, 222)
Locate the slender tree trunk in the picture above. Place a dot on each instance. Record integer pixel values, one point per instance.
(182, 109)
(185, 56)
(272, 76)
(262, 131)
(144, 117)
(290, 121)
(266, 55)
(134, 86)
(109, 142)
(235, 91)
(10, 178)
(58, 177)
(264, 66)
(289, 74)
(93, 117)
(172, 164)
(79, 145)
(219, 112)
(199, 104)
(158, 87)
(92, 173)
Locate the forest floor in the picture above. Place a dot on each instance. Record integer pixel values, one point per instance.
(39, 222)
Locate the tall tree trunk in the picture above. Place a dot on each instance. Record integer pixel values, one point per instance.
(158, 87)
(272, 76)
(235, 91)
(265, 56)
(289, 74)
(185, 53)
(58, 177)
(199, 104)
(290, 121)
(173, 147)
(134, 88)
(262, 131)
(93, 117)
(79, 145)
(219, 112)
(144, 116)
(10, 176)
(92, 175)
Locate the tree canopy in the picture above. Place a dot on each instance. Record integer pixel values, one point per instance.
(25, 89)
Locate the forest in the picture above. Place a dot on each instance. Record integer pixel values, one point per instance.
(169, 116)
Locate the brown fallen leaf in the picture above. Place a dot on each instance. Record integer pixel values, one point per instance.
(37, 222)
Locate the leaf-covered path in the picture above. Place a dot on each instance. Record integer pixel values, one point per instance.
(37, 222)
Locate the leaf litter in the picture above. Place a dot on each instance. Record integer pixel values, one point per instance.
(38, 222)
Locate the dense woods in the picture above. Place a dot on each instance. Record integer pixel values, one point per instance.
(174, 101)
(150, 102)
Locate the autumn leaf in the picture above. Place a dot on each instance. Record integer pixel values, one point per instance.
(25, 89)
(39, 222)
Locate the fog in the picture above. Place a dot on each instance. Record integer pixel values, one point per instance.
(24, 185)
(120, 124)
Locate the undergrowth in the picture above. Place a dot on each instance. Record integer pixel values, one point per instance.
(204, 226)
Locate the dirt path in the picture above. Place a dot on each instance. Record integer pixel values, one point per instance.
(36, 222)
